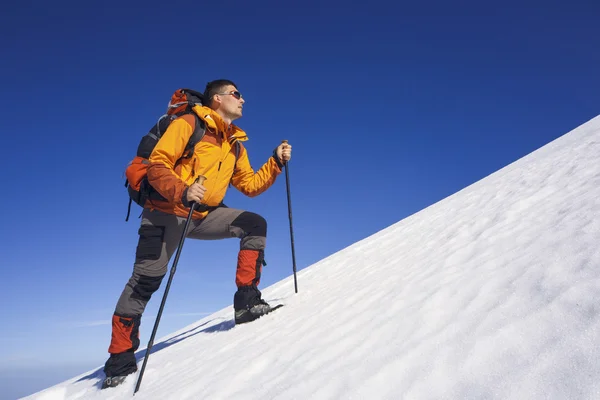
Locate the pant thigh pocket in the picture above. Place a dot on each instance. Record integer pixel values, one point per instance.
(150, 243)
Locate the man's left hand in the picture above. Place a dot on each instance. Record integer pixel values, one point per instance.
(284, 152)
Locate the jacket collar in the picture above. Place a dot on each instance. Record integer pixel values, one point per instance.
(215, 123)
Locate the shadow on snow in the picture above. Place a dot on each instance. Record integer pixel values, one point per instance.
(220, 327)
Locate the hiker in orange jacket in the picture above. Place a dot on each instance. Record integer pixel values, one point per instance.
(175, 178)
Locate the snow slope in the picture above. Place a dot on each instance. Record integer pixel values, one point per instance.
(491, 293)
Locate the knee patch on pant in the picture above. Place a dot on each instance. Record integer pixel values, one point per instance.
(249, 267)
(145, 287)
(150, 243)
(251, 223)
(125, 334)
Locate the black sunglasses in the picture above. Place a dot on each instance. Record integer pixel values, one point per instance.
(234, 93)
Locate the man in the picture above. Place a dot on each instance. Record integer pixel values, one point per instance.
(175, 178)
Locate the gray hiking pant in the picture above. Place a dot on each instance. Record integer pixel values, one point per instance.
(160, 234)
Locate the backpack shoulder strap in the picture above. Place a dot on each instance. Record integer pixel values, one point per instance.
(238, 150)
(197, 135)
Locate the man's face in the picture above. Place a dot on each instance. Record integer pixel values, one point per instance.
(231, 102)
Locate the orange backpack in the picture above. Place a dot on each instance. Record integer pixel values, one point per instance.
(137, 184)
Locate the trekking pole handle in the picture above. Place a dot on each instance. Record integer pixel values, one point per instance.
(200, 179)
(284, 142)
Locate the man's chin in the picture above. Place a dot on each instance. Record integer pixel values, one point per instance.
(235, 116)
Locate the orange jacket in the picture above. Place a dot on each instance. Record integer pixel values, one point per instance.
(214, 157)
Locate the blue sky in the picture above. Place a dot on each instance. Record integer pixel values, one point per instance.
(389, 107)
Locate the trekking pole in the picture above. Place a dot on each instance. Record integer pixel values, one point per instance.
(289, 199)
(164, 299)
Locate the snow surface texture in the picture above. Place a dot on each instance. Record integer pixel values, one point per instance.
(491, 293)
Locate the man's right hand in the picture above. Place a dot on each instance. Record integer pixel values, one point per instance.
(195, 192)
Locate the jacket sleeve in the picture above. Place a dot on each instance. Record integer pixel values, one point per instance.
(161, 169)
(250, 183)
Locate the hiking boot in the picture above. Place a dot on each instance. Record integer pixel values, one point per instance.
(249, 305)
(113, 381)
(254, 312)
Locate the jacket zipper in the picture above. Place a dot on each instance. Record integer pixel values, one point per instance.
(216, 178)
